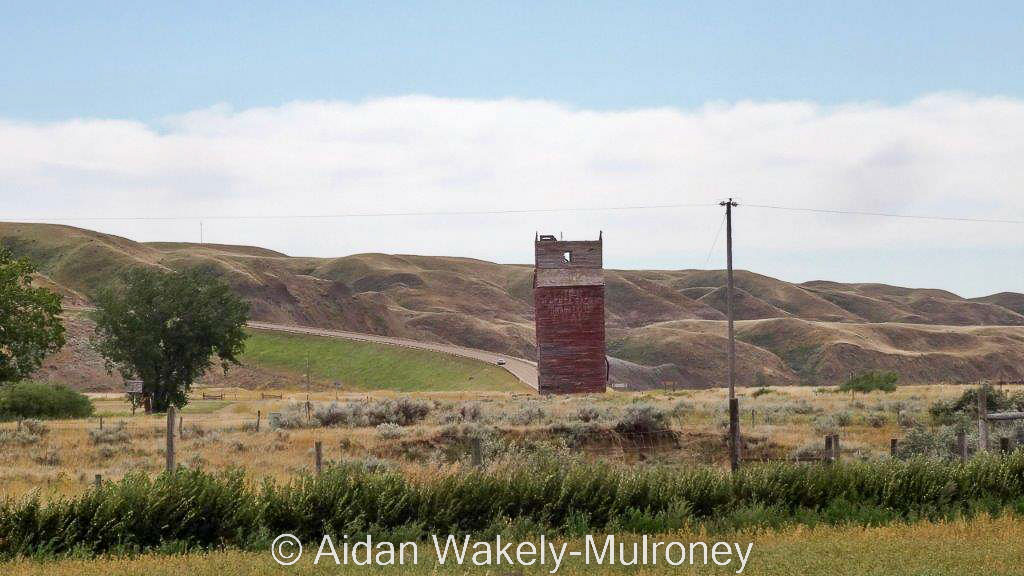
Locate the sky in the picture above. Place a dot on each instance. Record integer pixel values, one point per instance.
(285, 114)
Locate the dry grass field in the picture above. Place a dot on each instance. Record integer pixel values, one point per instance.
(980, 546)
(63, 456)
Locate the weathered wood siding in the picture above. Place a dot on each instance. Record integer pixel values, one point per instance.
(585, 254)
(569, 310)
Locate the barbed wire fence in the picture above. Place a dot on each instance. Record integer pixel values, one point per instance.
(179, 439)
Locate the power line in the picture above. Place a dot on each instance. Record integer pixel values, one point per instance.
(714, 242)
(367, 214)
(885, 214)
(437, 213)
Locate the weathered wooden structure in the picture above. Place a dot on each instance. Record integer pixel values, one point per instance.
(568, 297)
(985, 417)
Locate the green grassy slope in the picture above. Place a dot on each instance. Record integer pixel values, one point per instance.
(369, 366)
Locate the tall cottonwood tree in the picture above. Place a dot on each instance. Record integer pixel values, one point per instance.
(166, 328)
(30, 325)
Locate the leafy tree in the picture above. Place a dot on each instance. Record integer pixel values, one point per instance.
(869, 381)
(30, 325)
(164, 328)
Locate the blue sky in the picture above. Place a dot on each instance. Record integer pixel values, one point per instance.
(202, 110)
(148, 60)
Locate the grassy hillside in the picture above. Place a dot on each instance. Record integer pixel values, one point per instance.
(819, 331)
(276, 360)
(369, 366)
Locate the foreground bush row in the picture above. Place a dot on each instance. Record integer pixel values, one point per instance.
(193, 509)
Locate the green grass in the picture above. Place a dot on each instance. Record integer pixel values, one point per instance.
(370, 366)
(204, 406)
(979, 546)
(554, 495)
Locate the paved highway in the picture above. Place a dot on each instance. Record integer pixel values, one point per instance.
(524, 370)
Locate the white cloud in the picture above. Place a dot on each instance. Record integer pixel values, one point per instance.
(947, 155)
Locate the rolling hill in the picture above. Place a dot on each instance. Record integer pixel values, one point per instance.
(663, 325)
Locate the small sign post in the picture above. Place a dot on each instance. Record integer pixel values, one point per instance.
(133, 388)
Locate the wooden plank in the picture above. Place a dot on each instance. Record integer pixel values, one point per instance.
(582, 254)
(1006, 416)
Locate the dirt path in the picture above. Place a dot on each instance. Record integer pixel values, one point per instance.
(524, 370)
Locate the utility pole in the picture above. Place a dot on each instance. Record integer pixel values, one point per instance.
(201, 232)
(307, 374)
(309, 406)
(734, 406)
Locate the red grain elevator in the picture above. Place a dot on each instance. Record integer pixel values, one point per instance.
(568, 300)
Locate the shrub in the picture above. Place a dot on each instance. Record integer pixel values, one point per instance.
(42, 400)
(811, 451)
(828, 424)
(876, 420)
(529, 413)
(116, 434)
(802, 406)
(642, 419)
(18, 438)
(389, 431)
(843, 418)
(870, 381)
(587, 413)
(576, 434)
(470, 411)
(293, 416)
(950, 411)
(191, 430)
(906, 420)
(919, 441)
(400, 411)
(49, 457)
(37, 427)
(943, 412)
(282, 440)
(333, 414)
(680, 408)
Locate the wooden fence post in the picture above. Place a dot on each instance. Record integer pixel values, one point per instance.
(836, 452)
(477, 452)
(101, 422)
(982, 419)
(170, 438)
(181, 426)
(98, 481)
(318, 451)
(894, 447)
(259, 414)
(961, 446)
(828, 448)
(1004, 445)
